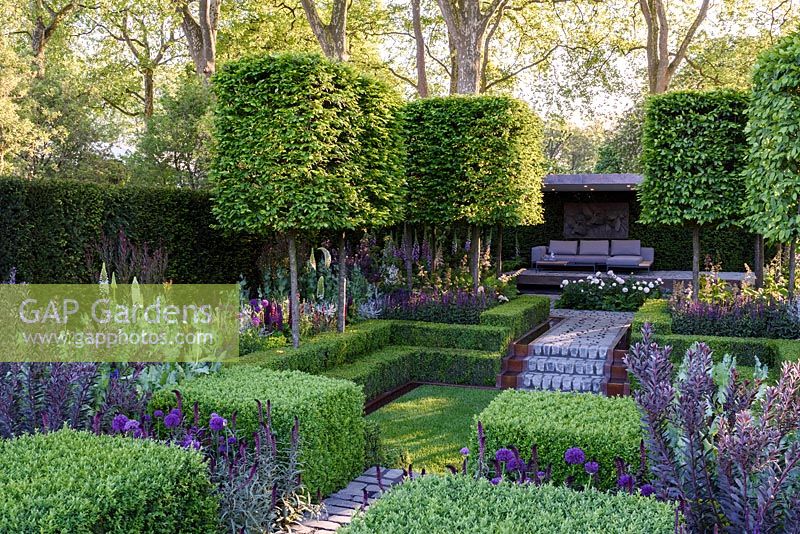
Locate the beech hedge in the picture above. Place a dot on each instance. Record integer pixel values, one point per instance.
(330, 413)
(466, 506)
(69, 481)
(604, 427)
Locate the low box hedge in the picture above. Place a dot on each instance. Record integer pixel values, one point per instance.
(519, 315)
(768, 351)
(459, 504)
(451, 336)
(69, 481)
(325, 350)
(330, 413)
(395, 366)
(604, 427)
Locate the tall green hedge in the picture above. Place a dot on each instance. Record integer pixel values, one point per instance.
(773, 176)
(48, 227)
(330, 414)
(70, 481)
(459, 504)
(693, 151)
(604, 427)
(476, 159)
(732, 247)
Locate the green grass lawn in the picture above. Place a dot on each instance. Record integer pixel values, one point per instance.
(430, 424)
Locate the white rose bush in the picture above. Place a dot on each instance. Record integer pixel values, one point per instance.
(608, 292)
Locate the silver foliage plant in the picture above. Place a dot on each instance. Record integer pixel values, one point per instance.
(727, 450)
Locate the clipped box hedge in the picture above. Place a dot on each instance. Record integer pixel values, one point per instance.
(604, 427)
(69, 481)
(326, 350)
(518, 315)
(768, 351)
(451, 336)
(392, 367)
(458, 504)
(330, 413)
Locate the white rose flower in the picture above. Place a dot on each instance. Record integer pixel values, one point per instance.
(614, 284)
(646, 290)
(659, 280)
(610, 272)
(564, 282)
(620, 280)
(624, 289)
(650, 285)
(598, 273)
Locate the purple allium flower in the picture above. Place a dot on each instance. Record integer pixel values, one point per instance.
(216, 423)
(575, 456)
(158, 413)
(173, 418)
(625, 481)
(464, 451)
(119, 422)
(496, 480)
(232, 440)
(146, 419)
(647, 490)
(540, 474)
(591, 467)
(189, 442)
(130, 425)
(514, 464)
(504, 455)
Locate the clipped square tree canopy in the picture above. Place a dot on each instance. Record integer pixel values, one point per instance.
(474, 159)
(694, 151)
(773, 175)
(304, 143)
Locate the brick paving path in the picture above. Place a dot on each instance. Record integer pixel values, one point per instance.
(339, 508)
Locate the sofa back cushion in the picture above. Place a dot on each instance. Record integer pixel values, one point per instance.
(626, 247)
(594, 247)
(564, 247)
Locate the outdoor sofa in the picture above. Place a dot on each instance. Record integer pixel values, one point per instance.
(594, 253)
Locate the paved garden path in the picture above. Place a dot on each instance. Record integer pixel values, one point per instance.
(572, 355)
(340, 507)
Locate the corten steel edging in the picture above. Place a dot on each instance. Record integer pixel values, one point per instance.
(621, 343)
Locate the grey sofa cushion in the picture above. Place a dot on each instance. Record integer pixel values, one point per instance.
(589, 259)
(564, 247)
(626, 247)
(594, 247)
(624, 261)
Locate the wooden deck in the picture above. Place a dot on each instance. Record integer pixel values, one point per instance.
(532, 279)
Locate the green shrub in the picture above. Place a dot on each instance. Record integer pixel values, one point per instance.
(70, 481)
(395, 366)
(519, 315)
(452, 336)
(326, 350)
(462, 505)
(48, 227)
(604, 427)
(745, 349)
(330, 413)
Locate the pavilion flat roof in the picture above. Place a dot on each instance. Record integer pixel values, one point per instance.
(592, 182)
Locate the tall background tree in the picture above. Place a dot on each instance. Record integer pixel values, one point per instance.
(773, 173)
(694, 152)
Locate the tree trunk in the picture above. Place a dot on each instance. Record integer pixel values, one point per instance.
(475, 251)
(407, 247)
(759, 261)
(201, 35)
(792, 268)
(695, 262)
(498, 262)
(294, 297)
(341, 308)
(419, 38)
(147, 75)
(468, 56)
(332, 37)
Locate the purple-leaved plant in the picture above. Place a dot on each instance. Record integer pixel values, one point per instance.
(728, 453)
